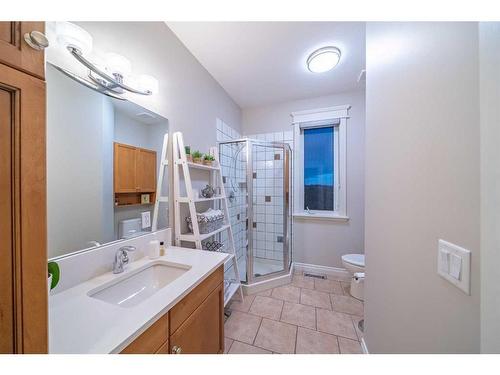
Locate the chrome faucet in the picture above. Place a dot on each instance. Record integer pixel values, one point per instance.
(121, 258)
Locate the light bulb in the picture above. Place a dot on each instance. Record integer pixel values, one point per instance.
(148, 83)
(323, 59)
(71, 35)
(118, 64)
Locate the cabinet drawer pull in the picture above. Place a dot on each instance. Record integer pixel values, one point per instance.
(176, 350)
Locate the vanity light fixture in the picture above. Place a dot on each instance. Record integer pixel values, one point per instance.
(323, 59)
(111, 77)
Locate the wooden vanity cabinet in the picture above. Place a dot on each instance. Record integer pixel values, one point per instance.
(195, 325)
(203, 330)
(134, 174)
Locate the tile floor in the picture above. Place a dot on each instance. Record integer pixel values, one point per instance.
(307, 316)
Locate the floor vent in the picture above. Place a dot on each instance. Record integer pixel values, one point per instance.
(322, 277)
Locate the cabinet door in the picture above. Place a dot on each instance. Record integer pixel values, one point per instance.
(125, 165)
(146, 170)
(203, 331)
(14, 51)
(23, 226)
(6, 225)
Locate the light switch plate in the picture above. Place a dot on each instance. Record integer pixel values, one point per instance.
(457, 271)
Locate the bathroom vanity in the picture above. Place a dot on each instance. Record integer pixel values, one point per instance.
(143, 311)
(193, 325)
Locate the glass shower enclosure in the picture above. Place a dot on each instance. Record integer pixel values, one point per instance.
(257, 179)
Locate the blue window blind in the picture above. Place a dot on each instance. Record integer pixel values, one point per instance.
(318, 168)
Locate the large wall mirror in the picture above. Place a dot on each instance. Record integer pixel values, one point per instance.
(103, 163)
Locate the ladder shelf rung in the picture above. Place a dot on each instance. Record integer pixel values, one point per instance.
(191, 237)
(202, 166)
(196, 200)
(230, 292)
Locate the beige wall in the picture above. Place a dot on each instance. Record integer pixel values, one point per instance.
(489, 53)
(422, 184)
(322, 242)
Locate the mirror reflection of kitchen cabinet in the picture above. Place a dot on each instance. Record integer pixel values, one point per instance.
(134, 174)
(146, 170)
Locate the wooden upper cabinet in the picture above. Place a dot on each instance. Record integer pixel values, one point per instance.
(146, 170)
(124, 168)
(15, 52)
(23, 225)
(134, 169)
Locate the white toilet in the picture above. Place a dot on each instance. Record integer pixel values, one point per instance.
(355, 264)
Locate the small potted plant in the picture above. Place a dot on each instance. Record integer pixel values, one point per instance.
(208, 159)
(197, 157)
(189, 157)
(54, 273)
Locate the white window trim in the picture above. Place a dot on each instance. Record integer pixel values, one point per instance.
(314, 118)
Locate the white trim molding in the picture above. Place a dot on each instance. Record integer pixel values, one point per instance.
(364, 348)
(311, 115)
(320, 216)
(338, 273)
(337, 116)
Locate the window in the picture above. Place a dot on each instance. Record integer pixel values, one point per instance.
(319, 163)
(318, 169)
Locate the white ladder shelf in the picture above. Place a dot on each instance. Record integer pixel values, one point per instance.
(161, 175)
(215, 179)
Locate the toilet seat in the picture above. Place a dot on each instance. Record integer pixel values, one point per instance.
(354, 259)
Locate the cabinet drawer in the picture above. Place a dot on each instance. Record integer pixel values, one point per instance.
(203, 331)
(181, 311)
(164, 349)
(151, 340)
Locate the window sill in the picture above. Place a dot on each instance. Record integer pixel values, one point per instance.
(321, 216)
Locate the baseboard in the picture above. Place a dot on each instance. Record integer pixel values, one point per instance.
(339, 273)
(267, 284)
(364, 348)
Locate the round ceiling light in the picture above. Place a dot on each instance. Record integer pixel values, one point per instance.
(323, 59)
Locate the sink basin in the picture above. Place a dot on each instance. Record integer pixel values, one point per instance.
(140, 285)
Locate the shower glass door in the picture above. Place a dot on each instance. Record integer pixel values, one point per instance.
(270, 230)
(257, 180)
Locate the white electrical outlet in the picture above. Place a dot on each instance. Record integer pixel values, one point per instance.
(454, 265)
(146, 219)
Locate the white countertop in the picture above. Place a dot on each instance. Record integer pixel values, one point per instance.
(82, 324)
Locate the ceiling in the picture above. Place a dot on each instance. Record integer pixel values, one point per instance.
(260, 63)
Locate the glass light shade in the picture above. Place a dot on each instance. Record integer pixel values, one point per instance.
(118, 64)
(323, 59)
(148, 83)
(69, 34)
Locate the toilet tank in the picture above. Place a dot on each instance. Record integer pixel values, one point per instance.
(129, 228)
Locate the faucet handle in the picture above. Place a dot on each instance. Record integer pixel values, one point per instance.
(128, 248)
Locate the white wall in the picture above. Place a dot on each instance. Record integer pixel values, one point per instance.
(316, 241)
(188, 96)
(422, 184)
(489, 53)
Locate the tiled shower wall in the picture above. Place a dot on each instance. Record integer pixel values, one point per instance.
(268, 199)
(234, 175)
(267, 193)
